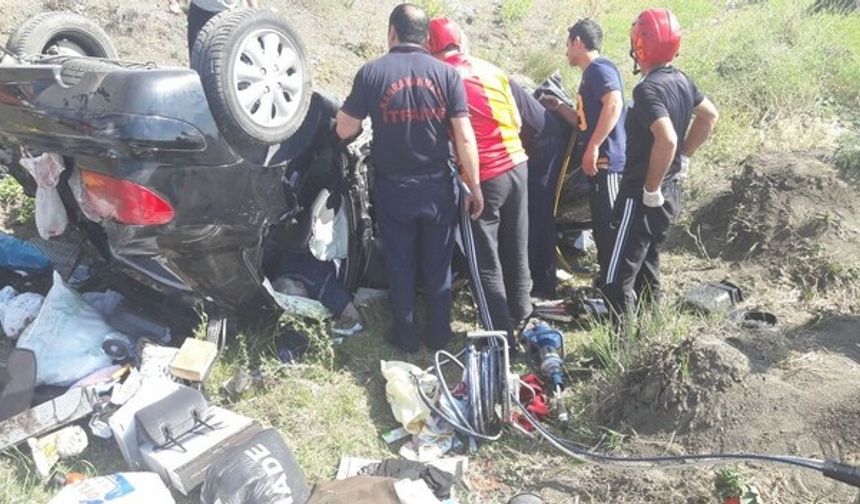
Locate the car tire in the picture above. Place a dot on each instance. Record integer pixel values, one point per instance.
(61, 34)
(256, 75)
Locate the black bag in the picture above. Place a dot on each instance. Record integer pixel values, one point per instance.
(262, 470)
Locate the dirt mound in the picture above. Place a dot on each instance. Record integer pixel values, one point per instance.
(668, 389)
(791, 212)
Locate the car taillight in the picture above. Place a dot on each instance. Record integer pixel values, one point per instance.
(124, 201)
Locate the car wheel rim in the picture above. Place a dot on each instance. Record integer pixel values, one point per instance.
(65, 47)
(268, 78)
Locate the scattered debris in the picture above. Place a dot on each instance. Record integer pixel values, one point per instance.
(262, 469)
(120, 488)
(66, 337)
(50, 449)
(70, 407)
(194, 360)
(713, 298)
(407, 406)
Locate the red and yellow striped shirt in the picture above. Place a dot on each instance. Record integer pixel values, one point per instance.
(493, 113)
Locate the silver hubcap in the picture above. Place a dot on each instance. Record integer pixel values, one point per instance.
(65, 47)
(268, 78)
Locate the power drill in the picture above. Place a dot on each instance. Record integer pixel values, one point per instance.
(547, 344)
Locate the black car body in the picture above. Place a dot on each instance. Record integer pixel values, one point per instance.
(156, 187)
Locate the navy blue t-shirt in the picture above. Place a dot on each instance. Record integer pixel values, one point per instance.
(664, 92)
(538, 123)
(599, 78)
(410, 98)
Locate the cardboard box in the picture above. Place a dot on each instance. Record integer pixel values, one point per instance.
(184, 467)
(194, 360)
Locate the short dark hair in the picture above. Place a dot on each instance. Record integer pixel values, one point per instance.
(410, 22)
(589, 32)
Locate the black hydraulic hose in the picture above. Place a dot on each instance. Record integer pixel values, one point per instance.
(838, 471)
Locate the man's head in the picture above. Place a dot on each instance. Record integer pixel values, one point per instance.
(444, 36)
(584, 37)
(407, 25)
(655, 38)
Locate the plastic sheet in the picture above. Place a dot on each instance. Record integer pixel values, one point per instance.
(19, 312)
(67, 337)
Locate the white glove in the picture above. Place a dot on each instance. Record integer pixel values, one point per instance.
(653, 199)
(685, 167)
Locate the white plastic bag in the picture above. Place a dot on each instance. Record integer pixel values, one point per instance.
(120, 488)
(402, 394)
(20, 312)
(6, 294)
(51, 217)
(67, 337)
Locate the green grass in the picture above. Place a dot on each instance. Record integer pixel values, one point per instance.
(513, 11)
(17, 206)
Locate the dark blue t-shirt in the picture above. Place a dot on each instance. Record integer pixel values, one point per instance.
(410, 98)
(599, 78)
(538, 123)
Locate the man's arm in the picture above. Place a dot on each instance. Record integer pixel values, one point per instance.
(347, 126)
(567, 112)
(704, 120)
(466, 148)
(613, 103)
(662, 154)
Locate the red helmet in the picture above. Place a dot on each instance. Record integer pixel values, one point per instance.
(443, 33)
(655, 37)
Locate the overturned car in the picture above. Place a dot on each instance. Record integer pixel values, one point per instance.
(184, 177)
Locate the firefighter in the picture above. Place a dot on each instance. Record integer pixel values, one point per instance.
(501, 232)
(599, 115)
(415, 103)
(668, 120)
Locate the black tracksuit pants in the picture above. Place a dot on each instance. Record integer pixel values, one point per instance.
(416, 218)
(544, 167)
(604, 191)
(634, 266)
(502, 241)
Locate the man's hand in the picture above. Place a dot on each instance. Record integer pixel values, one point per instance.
(653, 199)
(475, 202)
(551, 102)
(589, 160)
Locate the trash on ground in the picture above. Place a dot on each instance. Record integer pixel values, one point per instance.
(155, 360)
(120, 488)
(415, 492)
(51, 217)
(194, 360)
(19, 255)
(713, 298)
(435, 440)
(297, 305)
(18, 312)
(181, 436)
(589, 302)
(753, 319)
(17, 381)
(50, 449)
(435, 479)
(355, 490)
(395, 435)
(122, 421)
(240, 382)
(262, 469)
(400, 390)
(48, 416)
(66, 337)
